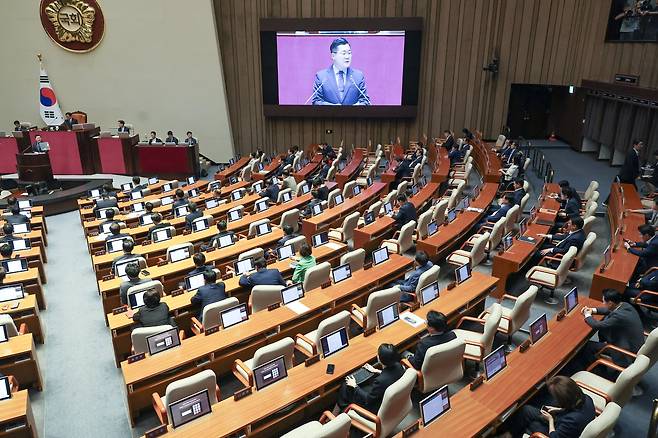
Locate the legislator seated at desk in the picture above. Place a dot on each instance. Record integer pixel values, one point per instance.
(262, 276)
(194, 214)
(559, 244)
(189, 139)
(437, 333)
(406, 212)
(200, 266)
(408, 285)
(506, 203)
(651, 214)
(222, 230)
(316, 200)
(644, 292)
(132, 272)
(8, 233)
(646, 250)
(158, 225)
(137, 186)
(16, 217)
(321, 188)
(115, 233)
(153, 312)
(171, 138)
(211, 292)
(271, 191)
(153, 139)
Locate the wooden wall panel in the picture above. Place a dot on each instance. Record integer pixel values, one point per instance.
(557, 42)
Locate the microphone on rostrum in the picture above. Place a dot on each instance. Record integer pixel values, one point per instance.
(315, 91)
(360, 91)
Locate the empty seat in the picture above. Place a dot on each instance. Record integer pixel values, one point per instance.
(253, 226)
(345, 233)
(138, 336)
(478, 345)
(584, 251)
(602, 426)
(183, 388)
(299, 191)
(348, 190)
(243, 371)
(549, 278)
(187, 245)
(403, 240)
(263, 296)
(355, 258)
(513, 319)
(331, 198)
(474, 256)
(328, 427)
(439, 212)
(255, 253)
(423, 221)
(282, 193)
(308, 343)
(210, 315)
(367, 318)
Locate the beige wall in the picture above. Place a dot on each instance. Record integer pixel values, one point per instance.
(157, 67)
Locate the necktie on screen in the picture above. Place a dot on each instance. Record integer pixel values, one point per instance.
(341, 84)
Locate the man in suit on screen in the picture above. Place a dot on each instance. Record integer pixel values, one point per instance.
(340, 84)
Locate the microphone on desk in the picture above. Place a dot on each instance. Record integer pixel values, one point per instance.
(315, 90)
(360, 91)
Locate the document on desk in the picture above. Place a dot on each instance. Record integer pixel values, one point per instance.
(334, 245)
(479, 210)
(413, 320)
(297, 307)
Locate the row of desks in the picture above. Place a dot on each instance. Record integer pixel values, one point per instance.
(218, 351)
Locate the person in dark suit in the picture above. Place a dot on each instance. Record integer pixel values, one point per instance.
(647, 282)
(180, 200)
(506, 203)
(327, 151)
(324, 169)
(340, 84)
(449, 141)
(189, 139)
(409, 284)
(199, 260)
(194, 213)
(157, 224)
(128, 247)
(437, 334)
(571, 208)
(406, 213)
(271, 191)
(16, 217)
(154, 139)
(69, 121)
(137, 186)
(122, 126)
(288, 159)
(8, 233)
(108, 191)
(171, 138)
(403, 170)
(519, 191)
(115, 233)
(371, 395)
(621, 326)
(630, 170)
(564, 183)
(455, 156)
(288, 234)
(39, 146)
(6, 251)
(262, 276)
(510, 154)
(153, 312)
(323, 190)
(647, 250)
(132, 271)
(209, 293)
(308, 210)
(18, 127)
(560, 243)
(567, 415)
(222, 230)
(650, 214)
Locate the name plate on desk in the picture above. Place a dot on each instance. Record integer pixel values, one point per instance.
(369, 332)
(411, 429)
(325, 285)
(476, 383)
(237, 395)
(162, 263)
(524, 346)
(99, 253)
(146, 242)
(136, 357)
(367, 266)
(119, 310)
(156, 431)
(311, 360)
(108, 277)
(211, 330)
(273, 306)
(561, 315)
(177, 292)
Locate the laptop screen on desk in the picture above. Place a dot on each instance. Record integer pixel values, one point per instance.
(200, 224)
(538, 328)
(138, 207)
(316, 209)
(379, 256)
(167, 200)
(388, 208)
(189, 408)
(270, 372)
(226, 240)
(20, 244)
(334, 342)
(163, 341)
(435, 405)
(95, 193)
(343, 272)
(463, 273)
(452, 215)
(179, 254)
(11, 292)
(244, 265)
(193, 193)
(145, 219)
(263, 229)
(234, 315)
(25, 204)
(212, 203)
(292, 293)
(136, 300)
(5, 388)
(571, 300)
(429, 293)
(115, 245)
(136, 195)
(387, 315)
(286, 197)
(127, 186)
(236, 195)
(494, 362)
(4, 336)
(14, 265)
(234, 215)
(523, 226)
(181, 211)
(167, 187)
(262, 205)
(338, 200)
(320, 239)
(153, 180)
(161, 235)
(368, 217)
(22, 228)
(356, 190)
(257, 187)
(120, 267)
(285, 252)
(194, 281)
(432, 228)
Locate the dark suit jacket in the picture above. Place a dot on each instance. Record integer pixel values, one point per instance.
(455, 156)
(518, 195)
(152, 316)
(117, 236)
(498, 214)
(271, 192)
(215, 240)
(570, 423)
(403, 170)
(308, 211)
(123, 129)
(203, 268)
(171, 140)
(323, 191)
(106, 203)
(622, 327)
(282, 241)
(565, 241)
(208, 294)
(572, 208)
(17, 218)
(371, 397)
(271, 277)
(179, 203)
(449, 142)
(648, 253)
(155, 140)
(406, 213)
(355, 91)
(426, 343)
(630, 170)
(68, 124)
(122, 258)
(191, 141)
(138, 187)
(191, 217)
(125, 285)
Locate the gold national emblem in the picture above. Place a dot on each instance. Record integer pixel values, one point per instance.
(73, 20)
